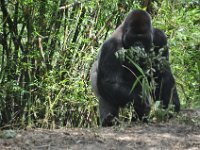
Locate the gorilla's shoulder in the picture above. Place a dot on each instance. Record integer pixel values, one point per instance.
(112, 44)
(159, 37)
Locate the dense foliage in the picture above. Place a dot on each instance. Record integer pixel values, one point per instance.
(47, 48)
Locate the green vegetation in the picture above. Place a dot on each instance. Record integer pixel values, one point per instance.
(47, 48)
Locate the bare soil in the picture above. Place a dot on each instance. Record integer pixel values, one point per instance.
(171, 135)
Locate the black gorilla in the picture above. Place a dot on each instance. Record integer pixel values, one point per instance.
(112, 83)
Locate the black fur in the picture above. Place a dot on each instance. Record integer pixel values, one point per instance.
(112, 83)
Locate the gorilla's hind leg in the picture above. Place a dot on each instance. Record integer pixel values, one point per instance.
(108, 112)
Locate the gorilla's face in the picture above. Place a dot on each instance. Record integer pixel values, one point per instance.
(137, 30)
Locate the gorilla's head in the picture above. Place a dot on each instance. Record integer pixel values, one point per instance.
(137, 30)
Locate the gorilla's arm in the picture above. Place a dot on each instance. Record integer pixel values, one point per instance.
(166, 88)
(112, 44)
(110, 83)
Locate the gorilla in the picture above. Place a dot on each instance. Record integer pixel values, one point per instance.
(112, 83)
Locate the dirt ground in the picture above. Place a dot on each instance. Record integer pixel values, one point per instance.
(171, 135)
